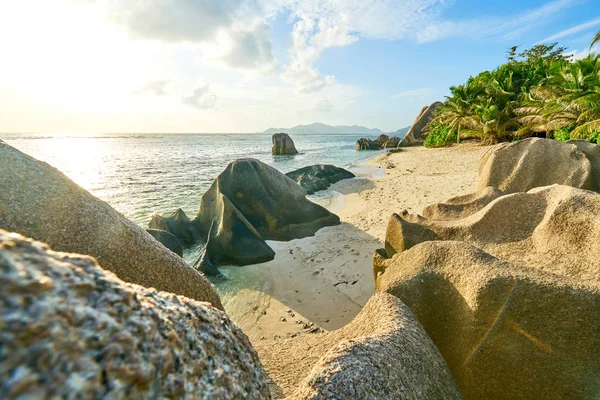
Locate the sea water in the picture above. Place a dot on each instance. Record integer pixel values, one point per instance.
(143, 174)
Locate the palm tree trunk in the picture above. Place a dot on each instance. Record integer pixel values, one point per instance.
(458, 135)
(596, 40)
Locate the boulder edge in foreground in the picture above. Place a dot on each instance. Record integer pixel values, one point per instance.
(40, 202)
(85, 333)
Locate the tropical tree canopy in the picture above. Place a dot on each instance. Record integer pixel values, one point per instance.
(538, 92)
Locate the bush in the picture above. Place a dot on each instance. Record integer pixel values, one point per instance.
(563, 134)
(439, 136)
(595, 137)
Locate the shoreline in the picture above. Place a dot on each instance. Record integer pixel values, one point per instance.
(325, 280)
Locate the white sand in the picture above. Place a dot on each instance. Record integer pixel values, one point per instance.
(327, 278)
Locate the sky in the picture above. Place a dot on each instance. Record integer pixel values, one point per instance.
(185, 66)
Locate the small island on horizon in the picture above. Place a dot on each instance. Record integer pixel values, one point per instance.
(319, 127)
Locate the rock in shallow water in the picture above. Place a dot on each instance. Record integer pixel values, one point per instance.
(178, 224)
(70, 329)
(251, 202)
(168, 240)
(318, 177)
(283, 145)
(38, 201)
(367, 144)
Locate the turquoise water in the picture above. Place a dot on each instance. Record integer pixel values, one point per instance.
(139, 174)
(146, 173)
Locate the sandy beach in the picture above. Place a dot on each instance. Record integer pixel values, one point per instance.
(327, 278)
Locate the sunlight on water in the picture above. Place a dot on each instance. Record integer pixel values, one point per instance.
(140, 174)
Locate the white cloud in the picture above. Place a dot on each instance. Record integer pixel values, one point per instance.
(156, 88)
(581, 54)
(231, 33)
(321, 24)
(506, 27)
(201, 97)
(572, 31)
(245, 46)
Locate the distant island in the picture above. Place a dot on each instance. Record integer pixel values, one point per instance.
(402, 132)
(318, 127)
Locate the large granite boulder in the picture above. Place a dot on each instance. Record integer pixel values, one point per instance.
(367, 144)
(510, 294)
(168, 240)
(251, 202)
(392, 142)
(535, 162)
(40, 202)
(419, 129)
(382, 139)
(71, 329)
(283, 144)
(462, 206)
(318, 177)
(384, 353)
(178, 224)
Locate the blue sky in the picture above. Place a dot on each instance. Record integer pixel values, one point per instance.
(246, 65)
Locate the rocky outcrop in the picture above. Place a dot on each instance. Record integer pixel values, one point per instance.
(382, 354)
(318, 177)
(462, 206)
(251, 202)
(40, 202)
(418, 131)
(73, 330)
(534, 162)
(168, 240)
(382, 139)
(283, 144)
(367, 144)
(178, 224)
(392, 142)
(510, 288)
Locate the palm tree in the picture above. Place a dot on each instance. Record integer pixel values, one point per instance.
(569, 97)
(596, 40)
(458, 113)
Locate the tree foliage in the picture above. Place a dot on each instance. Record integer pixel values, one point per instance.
(535, 93)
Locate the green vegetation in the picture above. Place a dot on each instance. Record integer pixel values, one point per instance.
(538, 92)
(439, 135)
(563, 134)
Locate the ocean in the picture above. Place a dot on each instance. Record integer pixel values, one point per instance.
(140, 174)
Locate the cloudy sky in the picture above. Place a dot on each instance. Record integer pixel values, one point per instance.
(246, 65)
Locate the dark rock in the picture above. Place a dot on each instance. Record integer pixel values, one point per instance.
(203, 264)
(40, 202)
(392, 142)
(168, 240)
(318, 177)
(367, 144)
(70, 329)
(283, 144)
(382, 139)
(251, 202)
(178, 224)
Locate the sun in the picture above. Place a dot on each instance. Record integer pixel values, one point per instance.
(66, 53)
